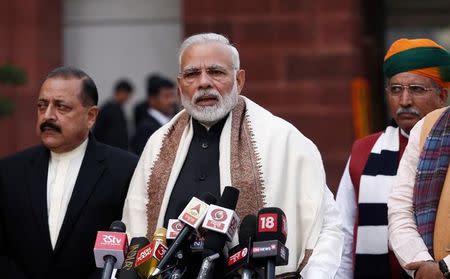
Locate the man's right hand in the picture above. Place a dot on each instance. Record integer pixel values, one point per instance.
(425, 270)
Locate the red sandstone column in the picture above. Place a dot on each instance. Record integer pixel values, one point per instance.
(31, 38)
(300, 58)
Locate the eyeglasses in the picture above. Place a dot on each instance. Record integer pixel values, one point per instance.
(215, 72)
(413, 89)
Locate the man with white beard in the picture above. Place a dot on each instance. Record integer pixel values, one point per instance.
(221, 139)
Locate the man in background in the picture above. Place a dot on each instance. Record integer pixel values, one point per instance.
(54, 197)
(111, 125)
(161, 106)
(419, 204)
(371, 169)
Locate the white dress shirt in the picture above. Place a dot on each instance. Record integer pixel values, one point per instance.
(159, 116)
(322, 263)
(63, 171)
(346, 204)
(404, 238)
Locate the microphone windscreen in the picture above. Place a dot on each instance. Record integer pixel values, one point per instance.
(229, 197)
(215, 241)
(272, 225)
(247, 230)
(117, 226)
(208, 198)
(111, 243)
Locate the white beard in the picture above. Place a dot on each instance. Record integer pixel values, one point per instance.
(208, 115)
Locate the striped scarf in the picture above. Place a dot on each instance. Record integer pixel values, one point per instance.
(431, 173)
(372, 258)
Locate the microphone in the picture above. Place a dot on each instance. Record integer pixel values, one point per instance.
(192, 216)
(149, 256)
(241, 258)
(271, 237)
(174, 227)
(127, 271)
(110, 247)
(197, 245)
(221, 222)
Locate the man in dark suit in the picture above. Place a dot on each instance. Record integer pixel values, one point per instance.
(55, 197)
(161, 107)
(111, 125)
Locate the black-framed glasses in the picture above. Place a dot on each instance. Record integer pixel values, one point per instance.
(413, 89)
(215, 72)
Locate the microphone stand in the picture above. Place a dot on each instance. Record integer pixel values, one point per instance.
(109, 266)
(179, 268)
(246, 274)
(207, 265)
(270, 269)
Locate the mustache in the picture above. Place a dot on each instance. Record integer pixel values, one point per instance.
(411, 110)
(205, 93)
(49, 125)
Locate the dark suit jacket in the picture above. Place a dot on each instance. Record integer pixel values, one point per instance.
(140, 112)
(96, 201)
(111, 126)
(145, 129)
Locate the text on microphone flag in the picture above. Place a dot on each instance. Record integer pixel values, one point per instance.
(237, 256)
(107, 239)
(194, 212)
(268, 222)
(221, 220)
(174, 227)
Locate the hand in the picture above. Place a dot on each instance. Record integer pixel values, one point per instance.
(425, 270)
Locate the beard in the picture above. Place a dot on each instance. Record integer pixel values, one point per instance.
(209, 115)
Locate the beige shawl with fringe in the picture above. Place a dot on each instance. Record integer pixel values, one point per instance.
(265, 157)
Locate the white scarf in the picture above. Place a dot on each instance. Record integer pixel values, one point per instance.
(375, 186)
(290, 168)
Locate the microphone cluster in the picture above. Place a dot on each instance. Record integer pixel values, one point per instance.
(202, 229)
(261, 247)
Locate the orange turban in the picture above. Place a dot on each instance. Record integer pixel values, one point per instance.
(419, 56)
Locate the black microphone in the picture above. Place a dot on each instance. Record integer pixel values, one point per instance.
(240, 259)
(271, 237)
(109, 249)
(220, 219)
(127, 271)
(192, 216)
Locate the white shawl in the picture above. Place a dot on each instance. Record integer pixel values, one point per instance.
(291, 170)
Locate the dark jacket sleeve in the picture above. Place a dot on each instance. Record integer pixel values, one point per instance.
(143, 133)
(101, 124)
(8, 268)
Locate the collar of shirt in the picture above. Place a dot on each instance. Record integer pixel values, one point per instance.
(61, 178)
(203, 132)
(403, 133)
(159, 116)
(79, 150)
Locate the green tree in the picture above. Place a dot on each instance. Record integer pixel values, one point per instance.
(10, 75)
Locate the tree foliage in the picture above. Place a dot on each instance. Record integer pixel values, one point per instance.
(13, 76)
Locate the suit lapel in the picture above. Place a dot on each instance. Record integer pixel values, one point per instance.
(37, 189)
(91, 169)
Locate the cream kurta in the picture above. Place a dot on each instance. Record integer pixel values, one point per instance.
(404, 237)
(293, 178)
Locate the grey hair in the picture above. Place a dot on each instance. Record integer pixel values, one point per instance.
(204, 38)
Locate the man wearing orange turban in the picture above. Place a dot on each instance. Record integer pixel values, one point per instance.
(419, 205)
(415, 86)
